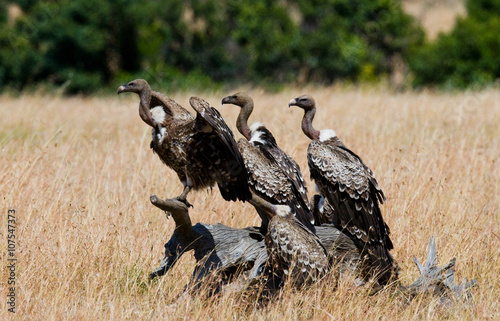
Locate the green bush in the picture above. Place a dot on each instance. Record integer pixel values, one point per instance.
(75, 43)
(342, 38)
(483, 9)
(468, 55)
(83, 45)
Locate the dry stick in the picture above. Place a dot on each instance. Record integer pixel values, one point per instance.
(216, 247)
(439, 280)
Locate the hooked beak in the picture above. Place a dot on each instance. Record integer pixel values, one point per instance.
(292, 102)
(121, 89)
(225, 100)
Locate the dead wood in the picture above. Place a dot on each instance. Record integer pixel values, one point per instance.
(230, 251)
(439, 280)
(238, 256)
(216, 247)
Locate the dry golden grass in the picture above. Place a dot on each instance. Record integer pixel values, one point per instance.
(79, 173)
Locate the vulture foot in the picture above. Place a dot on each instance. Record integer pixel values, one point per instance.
(183, 200)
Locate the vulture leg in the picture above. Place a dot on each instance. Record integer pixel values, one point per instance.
(183, 196)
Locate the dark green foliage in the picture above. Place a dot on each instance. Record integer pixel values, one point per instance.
(483, 9)
(268, 39)
(78, 44)
(342, 38)
(3, 12)
(468, 55)
(83, 45)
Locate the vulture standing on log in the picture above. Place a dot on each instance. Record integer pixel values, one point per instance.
(274, 177)
(201, 150)
(351, 189)
(295, 253)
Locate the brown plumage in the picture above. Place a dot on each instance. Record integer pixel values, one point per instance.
(321, 210)
(351, 189)
(273, 175)
(295, 253)
(201, 149)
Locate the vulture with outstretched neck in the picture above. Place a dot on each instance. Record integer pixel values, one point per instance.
(274, 177)
(201, 150)
(352, 190)
(295, 253)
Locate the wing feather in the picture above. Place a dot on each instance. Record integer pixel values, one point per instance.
(350, 187)
(277, 173)
(170, 106)
(295, 251)
(265, 178)
(219, 147)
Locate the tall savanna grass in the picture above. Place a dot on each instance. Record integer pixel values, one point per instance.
(79, 172)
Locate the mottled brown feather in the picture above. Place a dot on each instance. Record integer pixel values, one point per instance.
(274, 175)
(201, 149)
(322, 210)
(351, 189)
(295, 253)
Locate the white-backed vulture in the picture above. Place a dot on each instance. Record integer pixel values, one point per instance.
(201, 150)
(351, 189)
(273, 175)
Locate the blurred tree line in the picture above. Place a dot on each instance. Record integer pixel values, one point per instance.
(468, 55)
(83, 45)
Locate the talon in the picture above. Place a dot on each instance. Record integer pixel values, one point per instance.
(184, 200)
(168, 214)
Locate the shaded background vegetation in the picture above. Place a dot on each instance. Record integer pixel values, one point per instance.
(83, 45)
(468, 55)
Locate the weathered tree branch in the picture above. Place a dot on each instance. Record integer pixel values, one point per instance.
(228, 252)
(437, 280)
(216, 247)
(178, 210)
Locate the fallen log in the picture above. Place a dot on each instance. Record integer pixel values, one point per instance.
(216, 247)
(232, 254)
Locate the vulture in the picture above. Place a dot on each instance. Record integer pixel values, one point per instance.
(351, 190)
(201, 150)
(295, 253)
(274, 177)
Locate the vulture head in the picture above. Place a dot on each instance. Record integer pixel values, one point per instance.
(308, 104)
(238, 99)
(305, 102)
(135, 86)
(142, 88)
(246, 103)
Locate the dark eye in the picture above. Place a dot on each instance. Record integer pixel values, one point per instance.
(131, 83)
